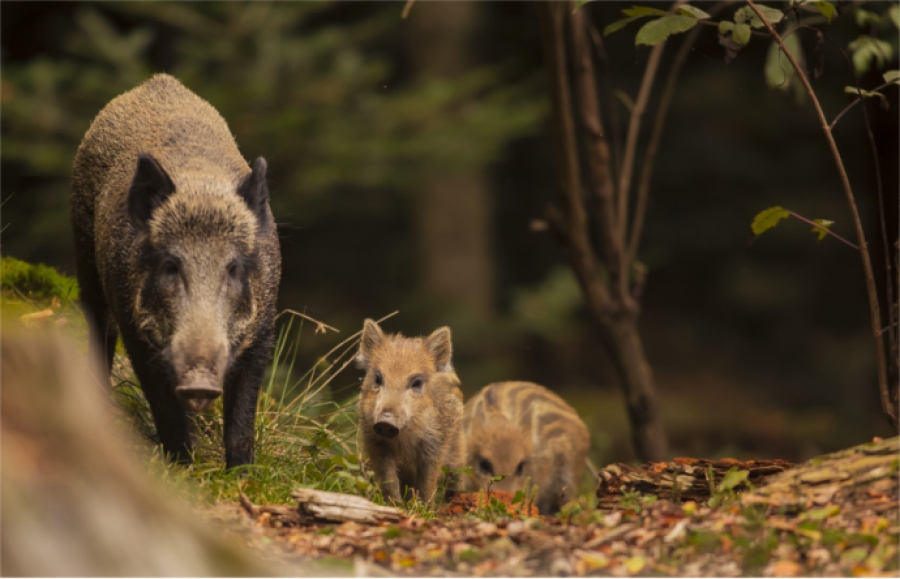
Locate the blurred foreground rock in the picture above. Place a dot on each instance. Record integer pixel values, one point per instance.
(74, 500)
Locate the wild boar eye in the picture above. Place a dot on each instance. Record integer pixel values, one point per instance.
(520, 469)
(416, 383)
(233, 270)
(169, 267)
(379, 379)
(485, 466)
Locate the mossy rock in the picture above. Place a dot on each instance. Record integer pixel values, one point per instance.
(37, 281)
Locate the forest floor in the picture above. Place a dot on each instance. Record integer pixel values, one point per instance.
(836, 515)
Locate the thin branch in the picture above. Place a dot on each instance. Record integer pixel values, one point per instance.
(406, 8)
(856, 102)
(575, 231)
(634, 129)
(825, 229)
(656, 136)
(872, 289)
(597, 153)
(616, 141)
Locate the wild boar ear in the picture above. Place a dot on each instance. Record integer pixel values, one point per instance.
(149, 188)
(255, 193)
(371, 338)
(440, 346)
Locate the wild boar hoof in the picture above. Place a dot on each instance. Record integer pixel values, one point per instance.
(386, 429)
(197, 396)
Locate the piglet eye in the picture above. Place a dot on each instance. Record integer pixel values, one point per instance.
(379, 379)
(520, 469)
(485, 466)
(416, 383)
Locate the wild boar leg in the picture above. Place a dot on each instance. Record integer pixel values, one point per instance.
(101, 329)
(242, 386)
(427, 479)
(172, 422)
(387, 477)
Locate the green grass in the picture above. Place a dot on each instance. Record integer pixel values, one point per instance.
(303, 437)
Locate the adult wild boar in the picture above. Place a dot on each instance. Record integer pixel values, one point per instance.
(410, 410)
(522, 430)
(177, 250)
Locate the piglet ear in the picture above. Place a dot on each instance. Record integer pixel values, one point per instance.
(439, 345)
(149, 188)
(371, 338)
(255, 193)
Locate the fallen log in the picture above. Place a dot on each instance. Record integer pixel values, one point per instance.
(684, 479)
(338, 507)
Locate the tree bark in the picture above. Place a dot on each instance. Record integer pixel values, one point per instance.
(610, 298)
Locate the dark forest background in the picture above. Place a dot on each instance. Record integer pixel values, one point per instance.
(409, 160)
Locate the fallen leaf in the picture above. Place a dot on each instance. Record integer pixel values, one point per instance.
(785, 569)
(634, 565)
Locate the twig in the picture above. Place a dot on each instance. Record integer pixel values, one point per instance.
(856, 102)
(634, 128)
(872, 289)
(825, 229)
(321, 327)
(662, 114)
(575, 230)
(597, 152)
(406, 8)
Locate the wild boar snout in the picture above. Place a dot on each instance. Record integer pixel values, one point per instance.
(199, 364)
(387, 426)
(198, 390)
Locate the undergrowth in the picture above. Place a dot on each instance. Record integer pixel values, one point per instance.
(303, 437)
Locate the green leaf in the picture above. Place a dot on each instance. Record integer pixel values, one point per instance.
(821, 227)
(519, 497)
(894, 14)
(638, 11)
(741, 34)
(658, 30)
(633, 14)
(892, 76)
(746, 15)
(864, 18)
(768, 219)
(778, 70)
(619, 25)
(824, 512)
(865, 93)
(733, 478)
(579, 4)
(827, 10)
(688, 10)
(867, 49)
(725, 27)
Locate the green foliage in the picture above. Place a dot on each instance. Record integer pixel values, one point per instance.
(316, 99)
(768, 219)
(303, 438)
(867, 50)
(892, 76)
(746, 15)
(548, 309)
(633, 13)
(37, 281)
(658, 30)
(821, 228)
(778, 70)
(827, 9)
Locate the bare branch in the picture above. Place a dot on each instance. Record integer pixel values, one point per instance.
(662, 114)
(871, 288)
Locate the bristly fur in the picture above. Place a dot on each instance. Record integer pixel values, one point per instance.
(159, 185)
(428, 418)
(509, 424)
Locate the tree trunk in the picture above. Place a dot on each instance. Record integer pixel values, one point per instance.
(453, 222)
(611, 297)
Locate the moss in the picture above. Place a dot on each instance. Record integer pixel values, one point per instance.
(38, 281)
